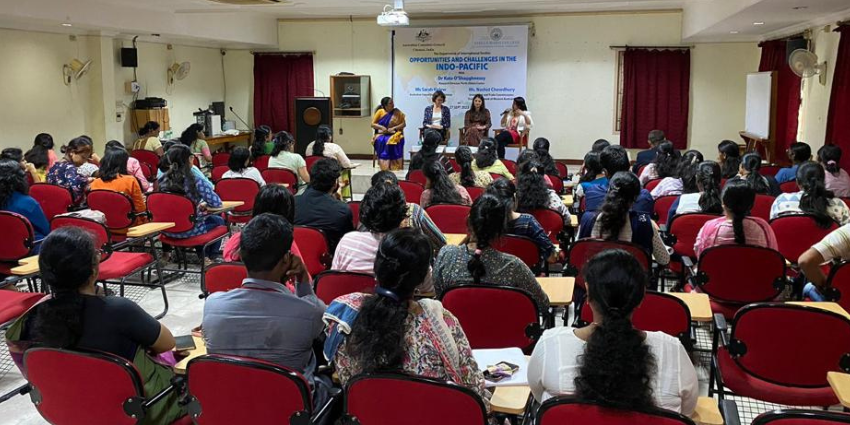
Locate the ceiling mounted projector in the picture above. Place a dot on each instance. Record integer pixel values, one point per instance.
(394, 16)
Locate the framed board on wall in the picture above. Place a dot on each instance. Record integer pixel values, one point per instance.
(760, 122)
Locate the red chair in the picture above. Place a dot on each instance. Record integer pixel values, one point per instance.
(454, 164)
(659, 312)
(238, 189)
(495, 176)
(449, 218)
(797, 233)
(262, 163)
(118, 208)
(76, 388)
(227, 390)
(510, 165)
(30, 179)
(789, 187)
(839, 284)
(331, 284)
(640, 170)
(562, 170)
(682, 232)
(769, 170)
(781, 353)
(412, 190)
(551, 222)
(19, 240)
(474, 192)
(314, 249)
(801, 417)
(523, 248)
(355, 213)
(149, 158)
(736, 275)
(148, 173)
(651, 184)
(218, 172)
(518, 322)
(117, 265)
(416, 176)
(559, 411)
(583, 250)
(557, 184)
(281, 176)
(54, 200)
(220, 159)
(223, 277)
(195, 161)
(662, 208)
(761, 207)
(310, 160)
(383, 398)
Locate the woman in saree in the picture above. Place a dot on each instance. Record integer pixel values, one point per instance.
(389, 124)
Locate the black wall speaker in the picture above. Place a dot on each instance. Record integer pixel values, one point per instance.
(310, 113)
(129, 57)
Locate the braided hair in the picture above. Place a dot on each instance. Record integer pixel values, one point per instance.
(830, 156)
(708, 182)
(738, 199)
(487, 222)
(730, 164)
(463, 156)
(323, 135)
(258, 145)
(667, 160)
(751, 164)
(623, 191)
(688, 169)
(816, 197)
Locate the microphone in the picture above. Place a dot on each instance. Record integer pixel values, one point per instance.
(506, 111)
(240, 118)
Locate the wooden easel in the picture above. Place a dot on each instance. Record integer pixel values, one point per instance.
(754, 142)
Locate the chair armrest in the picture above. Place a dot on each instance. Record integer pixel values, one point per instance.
(721, 328)
(137, 407)
(729, 411)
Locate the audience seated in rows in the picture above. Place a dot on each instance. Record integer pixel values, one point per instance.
(316, 207)
(467, 177)
(324, 146)
(284, 156)
(521, 224)
(798, 153)
(439, 189)
(813, 198)
(239, 166)
(736, 226)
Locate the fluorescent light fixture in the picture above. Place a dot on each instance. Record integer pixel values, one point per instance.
(66, 24)
(758, 23)
(733, 32)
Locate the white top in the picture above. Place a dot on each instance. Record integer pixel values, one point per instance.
(689, 203)
(522, 124)
(248, 173)
(554, 365)
(333, 151)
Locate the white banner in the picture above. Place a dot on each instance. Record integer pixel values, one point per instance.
(462, 62)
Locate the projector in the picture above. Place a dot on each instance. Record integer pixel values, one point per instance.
(393, 18)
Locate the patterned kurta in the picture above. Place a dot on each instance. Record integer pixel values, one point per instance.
(65, 174)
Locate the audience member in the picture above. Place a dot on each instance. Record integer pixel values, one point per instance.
(134, 168)
(655, 138)
(439, 189)
(149, 139)
(417, 218)
(466, 177)
(614, 159)
(324, 146)
(284, 156)
(239, 165)
(64, 173)
(318, 208)
(521, 224)
(533, 193)
(592, 174)
(541, 148)
(14, 197)
(736, 227)
(706, 197)
(664, 165)
(813, 199)
(729, 158)
(486, 160)
(428, 151)
(114, 177)
(193, 137)
(683, 176)
(750, 170)
(836, 179)
(41, 155)
(798, 153)
(835, 246)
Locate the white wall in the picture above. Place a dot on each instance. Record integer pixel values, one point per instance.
(815, 107)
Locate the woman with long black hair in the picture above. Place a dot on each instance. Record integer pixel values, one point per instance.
(487, 160)
(665, 164)
(262, 142)
(541, 148)
(65, 172)
(41, 155)
(683, 177)
(516, 122)
(706, 197)
(750, 170)
(798, 153)
(610, 362)
(729, 158)
(533, 193)
(439, 189)
(14, 197)
(813, 199)
(193, 137)
(476, 121)
(466, 177)
(284, 156)
(522, 224)
(736, 226)
(149, 138)
(324, 146)
(836, 179)
(428, 152)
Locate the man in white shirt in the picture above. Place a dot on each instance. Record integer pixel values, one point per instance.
(834, 245)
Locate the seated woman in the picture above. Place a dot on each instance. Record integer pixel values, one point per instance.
(438, 116)
(41, 156)
(324, 146)
(836, 179)
(476, 122)
(477, 262)
(388, 123)
(736, 226)
(134, 168)
(17, 155)
(683, 176)
(593, 175)
(487, 161)
(14, 197)
(516, 123)
(729, 158)
(284, 156)
(665, 164)
(533, 193)
(706, 197)
(64, 172)
(522, 224)
(813, 199)
(616, 222)
(799, 153)
(391, 330)
(149, 138)
(439, 189)
(262, 143)
(180, 179)
(609, 362)
(428, 152)
(417, 218)
(239, 165)
(74, 317)
(541, 148)
(163, 165)
(114, 177)
(466, 177)
(750, 171)
(193, 137)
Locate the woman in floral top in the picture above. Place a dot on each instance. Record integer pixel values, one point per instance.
(392, 331)
(64, 173)
(814, 199)
(178, 178)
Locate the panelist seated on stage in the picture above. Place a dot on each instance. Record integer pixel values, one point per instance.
(438, 116)
(388, 141)
(516, 123)
(324, 146)
(476, 122)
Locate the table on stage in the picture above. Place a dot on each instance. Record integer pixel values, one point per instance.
(225, 140)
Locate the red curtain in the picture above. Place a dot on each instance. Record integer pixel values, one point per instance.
(656, 93)
(278, 80)
(838, 121)
(773, 58)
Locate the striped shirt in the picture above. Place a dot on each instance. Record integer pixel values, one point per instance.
(356, 252)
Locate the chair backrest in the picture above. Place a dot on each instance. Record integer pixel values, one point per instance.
(550, 220)
(379, 399)
(559, 411)
(790, 345)
(455, 166)
(148, 172)
(474, 192)
(662, 207)
(839, 281)
(562, 169)
(523, 248)
(239, 189)
(651, 184)
(218, 171)
(116, 206)
(53, 199)
(235, 390)
(332, 283)
(801, 417)
(797, 233)
(220, 159)
(685, 228)
(449, 218)
(514, 326)
(640, 170)
(741, 274)
(102, 237)
(769, 170)
(789, 187)
(170, 207)
(354, 206)
(310, 160)
(412, 190)
(262, 162)
(223, 277)
(496, 176)
(659, 312)
(77, 388)
(281, 175)
(557, 184)
(314, 249)
(147, 157)
(510, 165)
(19, 239)
(583, 250)
(416, 176)
(761, 207)
(30, 179)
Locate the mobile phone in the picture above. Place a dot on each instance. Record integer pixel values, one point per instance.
(185, 343)
(507, 366)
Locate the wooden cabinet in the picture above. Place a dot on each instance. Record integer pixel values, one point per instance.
(350, 96)
(142, 116)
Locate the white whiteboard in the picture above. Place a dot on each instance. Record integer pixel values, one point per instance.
(759, 92)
